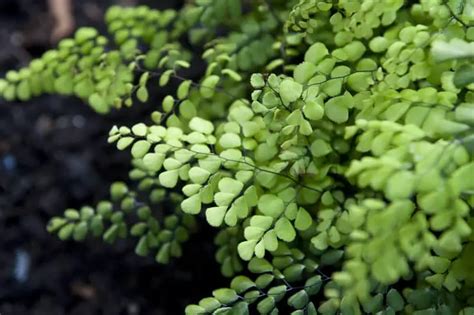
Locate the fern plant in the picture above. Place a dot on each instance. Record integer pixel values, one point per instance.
(329, 142)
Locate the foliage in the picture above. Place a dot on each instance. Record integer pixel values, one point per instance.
(330, 142)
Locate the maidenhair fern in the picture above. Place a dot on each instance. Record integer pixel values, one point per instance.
(329, 142)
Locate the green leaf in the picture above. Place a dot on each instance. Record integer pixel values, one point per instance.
(464, 75)
(223, 199)
(140, 148)
(168, 103)
(153, 161)
(23, 91)
(140, 129)
(304, 72)
(80, 231)
(395, 300)
(142, 247)
(271, 205)
(270, 241)
(215, 215)
(163, 255)
(299, 300)
(199, 175)
(241, 284)
(208, 86)
(66, 231)
(124, 142)
(230, 185)
(225, 295)
(232, 74)
(303, 220)
(200, 125)
(266, 305)
(313, 110)
(320, 148)
(97, 226)
(378, 44)
(111, 234)
(290, 91)
(260, 265)
(71, 214)
(210, 304)
(230, 140)
(194, 309)
(400, 185)
(192, 205)
(261, 221)
(169, 179)
(337, 110)
(257, 81)
(98, 103)
(84, 88)
(313, 285)
(246, 249)
(183, 89)
(55, 223)
(454, 49)
(85, 33)
(165, 77)
(461, 179)
(284, 230)
(142, 94)
(316, 53)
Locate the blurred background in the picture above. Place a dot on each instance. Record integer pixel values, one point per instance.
(54, 155)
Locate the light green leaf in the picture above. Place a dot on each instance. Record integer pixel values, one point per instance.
(192, 205)
(246, 249)
(208, 86)
(290, 90)
(259, 265)
(225, 296)
(303, 220)
(230, 185)
(284, 230)
(256, 80)
(230, 140)
(140, 148)
(153, 161)
(223, 199)
(98, 103)
(336, 110)
(320, 148)
(215, 215)
(270, 241)
(261, 221)
(400, 185)
(142, 94)
(199, 175)
(169, 179)
(241, 284)
(271, 205)
(304, 72)
(313, 110)
(316, 53)
(454, 49)
(183, 89)
(200, 125)
(124, 142)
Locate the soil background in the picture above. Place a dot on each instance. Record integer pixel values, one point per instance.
(54, 155)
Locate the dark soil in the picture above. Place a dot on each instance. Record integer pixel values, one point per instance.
(54, 155)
